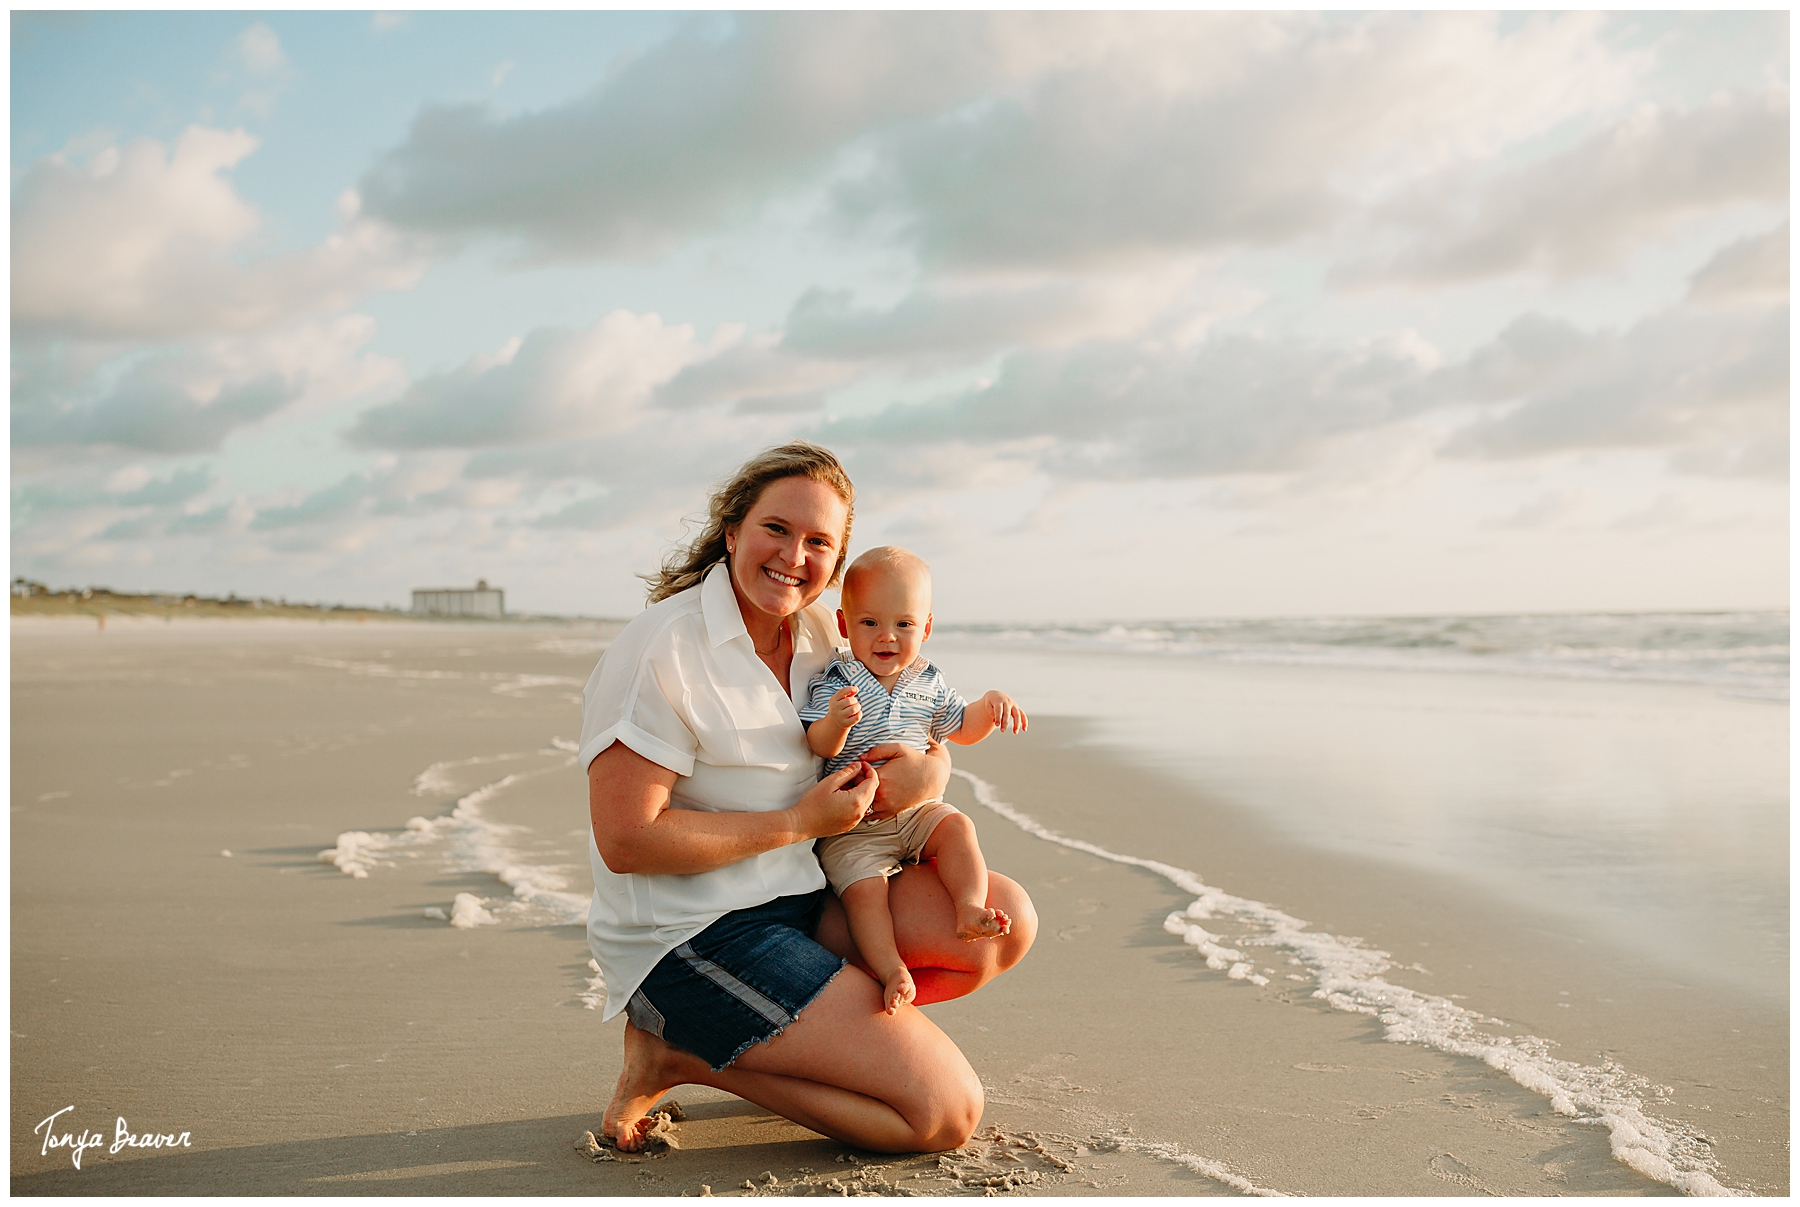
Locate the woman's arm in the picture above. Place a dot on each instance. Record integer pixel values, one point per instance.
(636, 830)
(908, 777)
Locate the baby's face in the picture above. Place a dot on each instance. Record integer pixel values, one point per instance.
(887, 617)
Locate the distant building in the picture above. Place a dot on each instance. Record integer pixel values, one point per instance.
(482, 600)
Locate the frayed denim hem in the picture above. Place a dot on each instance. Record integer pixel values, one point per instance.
(763, 1039)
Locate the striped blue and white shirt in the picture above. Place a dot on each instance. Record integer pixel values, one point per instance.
(921, 709)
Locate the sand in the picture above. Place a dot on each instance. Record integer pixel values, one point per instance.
(315, 1033)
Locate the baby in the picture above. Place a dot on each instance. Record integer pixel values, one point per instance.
(887, 692)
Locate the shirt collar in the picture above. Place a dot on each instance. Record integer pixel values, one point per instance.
(719, 605)
(724, 620)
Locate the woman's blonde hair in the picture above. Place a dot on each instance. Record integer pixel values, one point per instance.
(732, 501)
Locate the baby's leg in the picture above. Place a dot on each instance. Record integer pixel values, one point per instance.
(872, 926)
(964, 873)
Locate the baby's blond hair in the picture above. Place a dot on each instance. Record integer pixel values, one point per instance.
(886, 559)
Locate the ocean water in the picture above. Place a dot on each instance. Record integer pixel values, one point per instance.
(1740, 653)
(1537, 756)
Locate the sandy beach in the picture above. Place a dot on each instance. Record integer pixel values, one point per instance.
(313, 1031)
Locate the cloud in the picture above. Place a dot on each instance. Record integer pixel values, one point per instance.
(750, 371)
(1753, 269)
(1213, 130)
(1119, 411)
(553, 384)
(1706, 384)
(37, 497)
(259, 51)
(332, 503)
(150, 241)
(152, 410)
(187, 397)
(178, 487)
(1710, 383)
(959, 322)
(677, 138)
(1000, 139)
(1588, 207)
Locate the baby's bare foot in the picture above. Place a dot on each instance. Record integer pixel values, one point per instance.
(897, 987)
(976, 922)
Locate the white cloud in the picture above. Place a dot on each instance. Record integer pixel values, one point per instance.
(192, 396)
(555, 384)
(1753, 270)
(955, 322)
(149, 241)
(259, 50)
(1116, 410)
(1590, 206)
(1125, 158)
(1710, 383)
(256, 62)
(1009, 138)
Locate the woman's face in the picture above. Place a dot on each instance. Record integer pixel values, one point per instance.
(783, 554)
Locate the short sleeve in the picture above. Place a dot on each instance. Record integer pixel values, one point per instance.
(824, 685)
(632, 697)
(949, 715)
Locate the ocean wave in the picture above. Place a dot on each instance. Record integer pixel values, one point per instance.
(1744, 653)
(472, 842)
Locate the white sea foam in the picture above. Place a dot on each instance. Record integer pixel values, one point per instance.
(574, 645)
(1350, 978)
(1204, 1166)
(469, 911)
(506, 683)
(594, 996)
(435, 780)
(473, 843)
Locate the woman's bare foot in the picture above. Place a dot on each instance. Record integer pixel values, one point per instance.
(653, 1067)
(978, 922)
(897, 987)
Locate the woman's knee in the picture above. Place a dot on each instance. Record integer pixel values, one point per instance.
(957, 1114)
(1006, 894)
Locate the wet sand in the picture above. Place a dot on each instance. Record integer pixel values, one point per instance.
(314, 1033)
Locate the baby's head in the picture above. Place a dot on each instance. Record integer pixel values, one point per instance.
(886, 610)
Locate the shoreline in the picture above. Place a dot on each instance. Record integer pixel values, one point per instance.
(320, 1034)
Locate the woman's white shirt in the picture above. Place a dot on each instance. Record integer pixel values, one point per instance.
(682, 686)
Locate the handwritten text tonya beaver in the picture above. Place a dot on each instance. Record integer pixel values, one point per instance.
(123, 1138)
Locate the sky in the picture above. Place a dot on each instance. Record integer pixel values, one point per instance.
(1110, 316)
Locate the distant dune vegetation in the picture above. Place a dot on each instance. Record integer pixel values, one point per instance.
(35, 599)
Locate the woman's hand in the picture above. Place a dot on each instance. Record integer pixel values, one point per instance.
(908, 777)
(836, 803)
(637, 831)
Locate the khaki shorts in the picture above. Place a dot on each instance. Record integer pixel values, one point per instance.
(881, 848)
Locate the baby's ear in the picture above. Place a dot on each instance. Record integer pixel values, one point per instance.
(927, 636)
(843, 626)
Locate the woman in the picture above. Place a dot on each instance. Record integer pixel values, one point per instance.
(710, 917)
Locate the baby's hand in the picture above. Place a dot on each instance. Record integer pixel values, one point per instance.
(1005, 711)
(844, 710)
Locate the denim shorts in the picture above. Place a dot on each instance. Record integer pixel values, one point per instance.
(739, 982)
